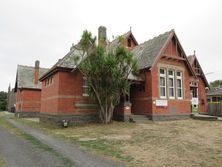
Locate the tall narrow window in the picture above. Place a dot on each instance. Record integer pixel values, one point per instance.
(85, 87)
(171, 84)
(179, 85)
(129, 42)
(162, 83)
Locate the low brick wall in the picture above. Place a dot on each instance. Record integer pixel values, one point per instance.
(26, 114)
(57, 120)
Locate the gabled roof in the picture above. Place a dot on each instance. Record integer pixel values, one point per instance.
(66, 62)
(191, 60)
(25, 77)
(115, 43)
(215, 91)
(150, 51)
(147, 53)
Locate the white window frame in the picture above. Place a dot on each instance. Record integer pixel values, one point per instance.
(165, 86)
(181, 80)
(171, 87)
(84, 86)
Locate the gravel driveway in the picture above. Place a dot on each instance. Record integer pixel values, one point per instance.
(18, 152)
(79, 157)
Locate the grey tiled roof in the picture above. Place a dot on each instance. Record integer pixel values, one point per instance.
(25, 77)
(146, 52)
(215, 91)
(191, 59)
(115, 43)
(149, 50)
(67, 61)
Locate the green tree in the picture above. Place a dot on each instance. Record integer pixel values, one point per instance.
(107, 72)
(216, 83)
(3, 101)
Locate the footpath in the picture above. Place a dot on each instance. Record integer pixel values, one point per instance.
(68, 150)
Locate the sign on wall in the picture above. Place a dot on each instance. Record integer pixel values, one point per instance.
(161, 103)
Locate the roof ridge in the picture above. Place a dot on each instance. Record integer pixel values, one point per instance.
(145, 42)
(24, 66)
(27, 66)
(172, 30)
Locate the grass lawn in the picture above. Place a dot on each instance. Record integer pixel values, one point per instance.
(181, 143)
(2, 162)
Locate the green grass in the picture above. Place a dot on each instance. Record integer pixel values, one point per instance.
(100, 146)
(183, 143)
(105, 148)
(2, 162)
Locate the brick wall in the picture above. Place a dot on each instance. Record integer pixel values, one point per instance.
(64, 95)
(141, 96)
(202, 107)
(143, 102)
(28, 100)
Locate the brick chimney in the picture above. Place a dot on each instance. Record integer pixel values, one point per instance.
(36, 74)
(102, 35)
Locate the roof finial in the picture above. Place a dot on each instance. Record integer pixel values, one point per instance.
(194, 52)
(9, 87)
(130, 28)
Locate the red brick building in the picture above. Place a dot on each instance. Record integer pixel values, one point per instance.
(197, 86)
(162, 91)
(64, 89)
(165, 93)
(28, 90)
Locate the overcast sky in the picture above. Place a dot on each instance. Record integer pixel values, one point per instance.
(45, 29)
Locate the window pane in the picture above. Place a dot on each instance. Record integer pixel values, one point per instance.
(179, 93)
(178, 73)
(170, 82)
(170, 72)
(162, 81)
(179, 83)
(85, 87)
(162, 71)
(85, 90)
(171, 92)
(162, 91)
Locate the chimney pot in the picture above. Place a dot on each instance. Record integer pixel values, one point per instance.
(37, 64)
(36, 72)
(102, 35)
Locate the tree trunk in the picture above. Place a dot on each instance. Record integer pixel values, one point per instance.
(106, 111)
(106, 115)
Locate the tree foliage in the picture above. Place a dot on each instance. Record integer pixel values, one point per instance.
(3, 101)
(107, 72)
(216, 83)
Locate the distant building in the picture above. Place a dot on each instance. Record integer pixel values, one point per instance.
(11, 100)
(214, 95)
(198, 83)
(28, 90)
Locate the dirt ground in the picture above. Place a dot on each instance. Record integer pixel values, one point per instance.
(183, 143)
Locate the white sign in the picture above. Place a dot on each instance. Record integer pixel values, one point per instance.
(194, 101)
(161, 103)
